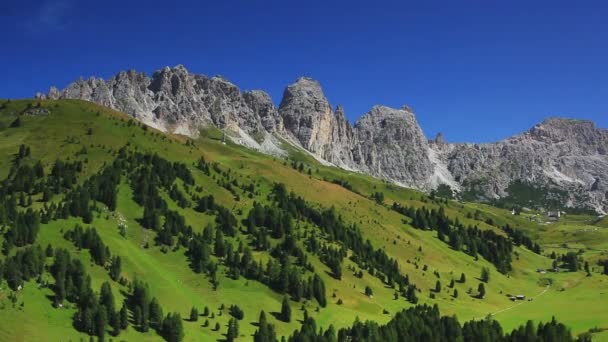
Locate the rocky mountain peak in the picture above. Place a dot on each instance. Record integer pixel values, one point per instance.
(577, 136)
(389, 139)
(388, 143)
(305, 90)
(439, 140)
(407, 108)
(564, 126)
(307, 114)
(382, 116)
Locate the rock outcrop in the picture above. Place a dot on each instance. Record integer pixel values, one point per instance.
(566, 154)
(569, 155)
(391, 145)
(177, 101)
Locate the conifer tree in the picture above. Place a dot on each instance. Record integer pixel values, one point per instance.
(285, 310)
(124, 317)
(233, 330)
(194, 314)
(481, 289)
(485, 274)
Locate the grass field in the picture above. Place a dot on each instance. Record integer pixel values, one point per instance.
(573, 298)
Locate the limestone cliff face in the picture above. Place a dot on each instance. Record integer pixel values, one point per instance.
(388, 143)
(391, 145)
(309, 120)
(567, 154)
(177, 101)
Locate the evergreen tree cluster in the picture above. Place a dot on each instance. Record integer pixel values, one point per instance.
(343, 183)
(178, 196)
(64, 175)
(277, 222)
(236, 312)
(148, 313)
(281, 275)
(378, 197)
(265, 331)
(203, 165)
(102, 187)
(89, 239)
(171, 329)
(520, 238)
(376, 261)
(23, 231)
(571, 261)
(493, 247)
(424, 323)
(174, 226)
(224, 217)
(94, 313)
(25, 264)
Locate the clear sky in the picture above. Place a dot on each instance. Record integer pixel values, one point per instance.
(475, 70)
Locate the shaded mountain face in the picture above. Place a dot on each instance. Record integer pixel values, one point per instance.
(567, 155)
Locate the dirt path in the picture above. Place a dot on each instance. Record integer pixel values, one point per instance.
(520, 303)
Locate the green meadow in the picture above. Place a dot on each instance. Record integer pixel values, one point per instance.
(77, 130)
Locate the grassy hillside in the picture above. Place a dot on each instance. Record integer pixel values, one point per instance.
(79, 131)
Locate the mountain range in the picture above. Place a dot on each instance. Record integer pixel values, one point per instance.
(565, 161)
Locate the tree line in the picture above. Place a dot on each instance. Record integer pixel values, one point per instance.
(424, 323)
(493, 247)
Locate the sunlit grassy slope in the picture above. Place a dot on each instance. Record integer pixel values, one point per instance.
(573, 298)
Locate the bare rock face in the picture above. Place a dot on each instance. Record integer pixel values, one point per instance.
(262, 106)
(344, 149)
(392, 146)
(177, 101)
(388, 143)
(309, 120)
(566, 154)
(307, 115)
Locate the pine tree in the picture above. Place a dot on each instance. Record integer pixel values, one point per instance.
(285, 310)
(106, 299)
(172, 329)
(115, 268)
(101, 321)
(194, 314)
(481, 289)
(265, 332)
(463, 279)
(219, 247)
(319, 290)
(438, 286)
(233, 330)
(115, 323)
(124, 317)
(49, 251)
(485, 274)
(156, 314)
(138, 317)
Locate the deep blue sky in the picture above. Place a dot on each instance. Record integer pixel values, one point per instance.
(475, 70)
